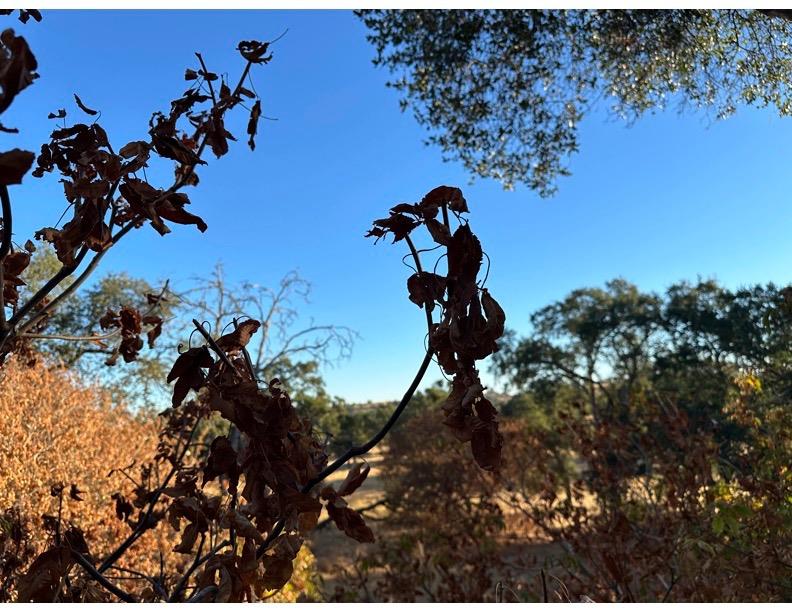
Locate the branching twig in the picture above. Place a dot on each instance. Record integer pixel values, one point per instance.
(143, 524)
(220, 352)
(96, 575)
(194, 566)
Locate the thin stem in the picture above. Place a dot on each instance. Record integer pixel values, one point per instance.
(106, 336)
(195, 565)
(220, 352)
(5, 245)
(141, 576)
(143, 524)
(206, 78)
(71, 338)
(77, 282)
(5, 248)
(355, 451)
(96, 575)
(418, 267)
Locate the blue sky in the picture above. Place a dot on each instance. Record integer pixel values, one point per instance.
(673, 197)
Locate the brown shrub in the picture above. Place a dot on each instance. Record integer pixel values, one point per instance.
(53, 429)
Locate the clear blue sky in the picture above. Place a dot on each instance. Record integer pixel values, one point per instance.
(670, 198)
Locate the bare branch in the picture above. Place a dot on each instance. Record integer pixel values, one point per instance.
(96, 575)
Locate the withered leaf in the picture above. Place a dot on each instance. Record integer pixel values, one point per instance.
(464, 262)
(123, 508)
(18, 69)
(243, 526)
(254, 51)
(216, 134)
(134, 148)
(222, 461)
(496, 318)
(84, 108)
(61, 114)
(75, 540)
(173, 148)
(451, 196)
(239, 338)
(14, 164)
(155, 329)
(25, 14)
(187, 372)
(354, 478)
(277, 572)
(486, 445)
(440, 233)
(109, 319)
(75, 493)
(425, 288)
(350, 522)
(410, 209)
(252, 127)
(307, 521)
(189, 536)
(131, 343)
(42, 580)
(400, 225)
(485, 410)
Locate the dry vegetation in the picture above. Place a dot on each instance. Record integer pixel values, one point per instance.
(55, 429)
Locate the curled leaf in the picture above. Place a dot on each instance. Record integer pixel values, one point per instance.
(84, 108)
(252, 127)
(425, 288)
(354, 478)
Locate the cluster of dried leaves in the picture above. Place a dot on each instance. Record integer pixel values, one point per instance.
(107, 198)
(243, 513)
(471, 321)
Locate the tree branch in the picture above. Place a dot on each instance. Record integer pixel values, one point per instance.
(96, 575)
(5, 245)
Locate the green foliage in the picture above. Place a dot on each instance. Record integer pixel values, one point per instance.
(505, 90)
(599, 350)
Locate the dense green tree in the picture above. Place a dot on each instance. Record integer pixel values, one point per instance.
(504, 90)
(600, 351)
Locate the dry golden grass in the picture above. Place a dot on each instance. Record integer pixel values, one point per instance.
(55, 429)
